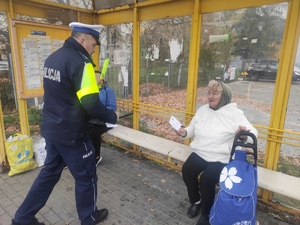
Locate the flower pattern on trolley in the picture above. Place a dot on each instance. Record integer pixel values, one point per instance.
(229, 176)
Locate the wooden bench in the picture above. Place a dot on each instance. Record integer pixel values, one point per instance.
(267, 179)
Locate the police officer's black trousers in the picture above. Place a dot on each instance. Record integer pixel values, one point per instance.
(81, 163)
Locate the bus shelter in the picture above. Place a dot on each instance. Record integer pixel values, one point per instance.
(162, 55)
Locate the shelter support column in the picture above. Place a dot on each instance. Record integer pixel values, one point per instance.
(282, 88)
(2, 137)
(193, 61)
(136, 67)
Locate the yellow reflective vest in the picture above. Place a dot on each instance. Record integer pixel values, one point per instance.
(88, 83)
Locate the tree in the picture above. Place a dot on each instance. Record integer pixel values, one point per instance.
(159, 33)
(215, 57)
(4, 38)
(259, 32)
(86, 4)
(6, 89)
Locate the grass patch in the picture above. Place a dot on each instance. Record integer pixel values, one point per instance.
(12, 121)
(286, 201)
(34, 116)
(289, 165)
(12, 118)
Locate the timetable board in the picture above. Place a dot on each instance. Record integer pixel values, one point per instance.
(32, 44)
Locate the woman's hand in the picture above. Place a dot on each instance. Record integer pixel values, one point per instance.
(242, 128)
(182, 132)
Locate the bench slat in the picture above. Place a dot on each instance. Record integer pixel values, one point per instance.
(181, 153)
(268, 179)
(279, 182)
(143, 139)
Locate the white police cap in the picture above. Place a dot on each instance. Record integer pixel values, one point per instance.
(93, 30)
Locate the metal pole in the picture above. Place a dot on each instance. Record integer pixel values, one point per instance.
(168, 60)
(169, 68)
(129, 114)
(13, 80)
(147, 75)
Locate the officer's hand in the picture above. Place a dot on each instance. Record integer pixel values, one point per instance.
(101, 81)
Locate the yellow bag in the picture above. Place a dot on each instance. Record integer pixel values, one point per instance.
(19, 154)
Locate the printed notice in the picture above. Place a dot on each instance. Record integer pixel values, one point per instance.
(175, 123)
(56, 44)
(35, 51)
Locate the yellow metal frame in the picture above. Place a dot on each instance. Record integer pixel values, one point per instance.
(156, 9)
(283, 85)
(2, 139)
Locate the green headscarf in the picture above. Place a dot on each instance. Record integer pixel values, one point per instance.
(226, 95)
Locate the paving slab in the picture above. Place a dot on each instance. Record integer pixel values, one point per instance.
(136, 191)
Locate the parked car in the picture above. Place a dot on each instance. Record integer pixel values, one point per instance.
(296, 73)
(268, 70)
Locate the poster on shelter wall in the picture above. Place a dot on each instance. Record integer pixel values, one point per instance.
(175, 49)
(152, 53)
(34, 43)
(124, 73)
(230, 73)
(56, 44)
(120, 57)
(35, 50)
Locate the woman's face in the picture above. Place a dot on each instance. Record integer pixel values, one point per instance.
(214, 97)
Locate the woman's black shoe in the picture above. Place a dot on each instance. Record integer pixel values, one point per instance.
(193, 210)
(204, 220)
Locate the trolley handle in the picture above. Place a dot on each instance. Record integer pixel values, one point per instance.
(237, 143)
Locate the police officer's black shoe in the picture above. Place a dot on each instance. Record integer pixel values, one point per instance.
(101, 215)
(35, 222)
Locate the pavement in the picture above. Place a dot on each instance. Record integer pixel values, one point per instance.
(136, 191)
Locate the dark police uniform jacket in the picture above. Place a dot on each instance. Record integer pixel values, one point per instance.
(65, 115)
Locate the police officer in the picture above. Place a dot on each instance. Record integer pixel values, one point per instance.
(71, 99)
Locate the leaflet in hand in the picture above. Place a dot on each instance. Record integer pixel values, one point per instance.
(175, 123)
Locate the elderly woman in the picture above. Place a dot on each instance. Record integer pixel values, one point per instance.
(213, 127)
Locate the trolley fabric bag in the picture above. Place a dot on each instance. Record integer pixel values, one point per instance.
(236, 201)
(19, 153)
